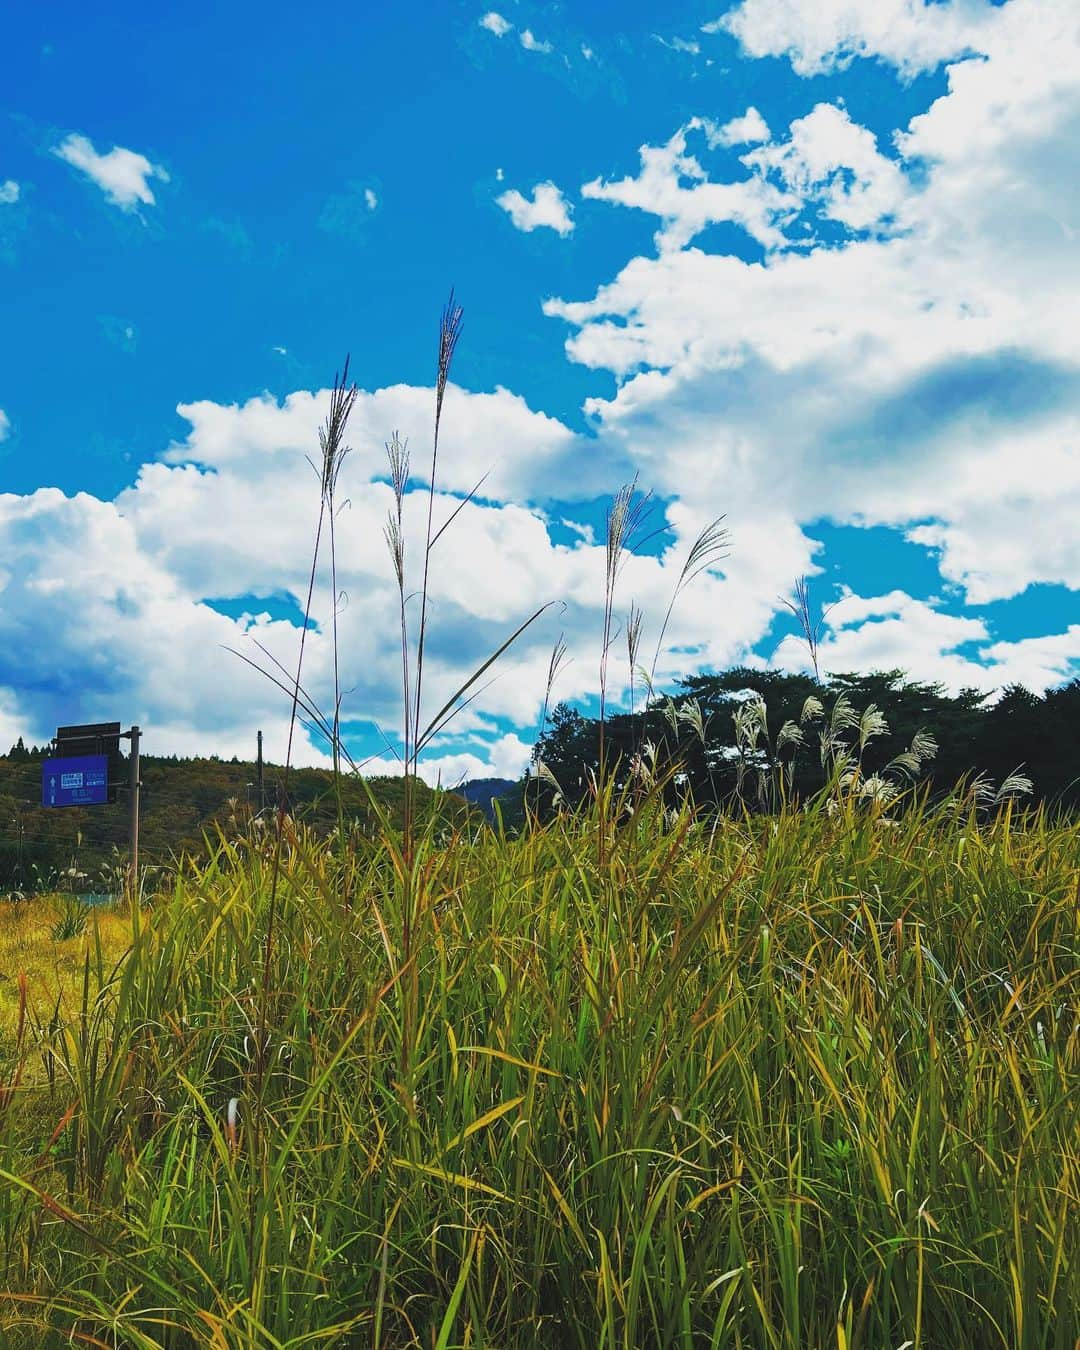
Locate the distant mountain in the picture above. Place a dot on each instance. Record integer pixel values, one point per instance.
(481, 792)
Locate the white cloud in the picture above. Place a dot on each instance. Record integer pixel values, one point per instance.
(498, 25)
(498, 434)
(5, 425)
(11, 724)
(896, 631)
(123, 175)
(585, 532)
(506, 757)
(748, 129)
(533, 44)
(495, 23)
(678, 44)
(828, 162)
(1017, 523)
(73, 567)
(9, 192)
(1038, 662)
(546, 209)
(229, 513)
(660, 189)
(587, 52)
(832, 160)
(370, 199)
(823, 35)
(928, 378)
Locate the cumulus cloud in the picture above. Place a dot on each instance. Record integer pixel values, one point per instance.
(918, 369)
(531, 43)
(73, 567)
(830, 159)
(822, 35)
(828, 163)
(507, 757)
(495, 23)
(749, 129)
(123, 175)
(915, 366)
(130, 588)
(546, 209)
(897, 631)
(673, 185)
(9, 192)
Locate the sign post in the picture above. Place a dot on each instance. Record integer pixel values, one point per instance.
(136, 784)
(83, 770)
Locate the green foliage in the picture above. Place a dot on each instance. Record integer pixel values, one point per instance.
(184, 803)
(704, 730)
(71, 919)
(808, 1080)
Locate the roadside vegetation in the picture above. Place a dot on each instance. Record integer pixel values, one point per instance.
(806, 1080)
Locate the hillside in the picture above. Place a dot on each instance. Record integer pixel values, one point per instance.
(183, 802)
(484, 792)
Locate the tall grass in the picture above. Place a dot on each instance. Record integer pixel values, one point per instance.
(791, 1081)
(805, 1081)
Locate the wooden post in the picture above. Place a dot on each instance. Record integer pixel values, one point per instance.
(259, 777)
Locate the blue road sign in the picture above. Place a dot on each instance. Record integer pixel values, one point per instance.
(79, 780)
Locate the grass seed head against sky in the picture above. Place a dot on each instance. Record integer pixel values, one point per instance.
(809, 263)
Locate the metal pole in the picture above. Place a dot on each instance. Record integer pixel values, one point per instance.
(259, 777)
(134, 804)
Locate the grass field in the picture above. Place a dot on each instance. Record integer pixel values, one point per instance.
(796, 1082)
(52, 969)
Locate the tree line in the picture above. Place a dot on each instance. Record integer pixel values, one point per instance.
(700, 734)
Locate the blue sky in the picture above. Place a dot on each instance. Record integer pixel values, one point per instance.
(806, 263)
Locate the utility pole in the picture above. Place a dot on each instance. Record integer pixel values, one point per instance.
(21, 825)
(133, 736)
(259, 777)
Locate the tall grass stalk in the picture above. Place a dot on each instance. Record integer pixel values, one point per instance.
(811, 627)
(416, 897)
(334, 450)
(450, 326)
(626, 515)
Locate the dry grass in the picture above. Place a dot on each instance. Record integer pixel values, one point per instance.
(53, 969)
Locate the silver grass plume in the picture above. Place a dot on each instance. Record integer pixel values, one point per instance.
(710, 548)
(811, 628)
(872, 723)
(634, 620)
(397, 453)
